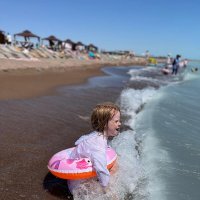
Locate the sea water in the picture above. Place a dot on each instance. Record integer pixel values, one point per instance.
(169, 131)
(158, 154)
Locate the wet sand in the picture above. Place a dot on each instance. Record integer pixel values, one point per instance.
(26, 79)
(36, 121)
(28, 84)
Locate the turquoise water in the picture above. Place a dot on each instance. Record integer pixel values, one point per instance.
(169, 134)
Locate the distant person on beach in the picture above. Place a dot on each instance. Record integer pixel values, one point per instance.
(165, 70)
(175, 65)
(9, 39)
(169, 62)
(51, 44)
(105, 121)
(147, 54)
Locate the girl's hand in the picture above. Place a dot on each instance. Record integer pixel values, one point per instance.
(104, 189)
(109, 193)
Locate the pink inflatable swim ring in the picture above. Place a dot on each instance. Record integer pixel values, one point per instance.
(63, 167)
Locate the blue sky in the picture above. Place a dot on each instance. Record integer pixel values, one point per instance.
(159, 26)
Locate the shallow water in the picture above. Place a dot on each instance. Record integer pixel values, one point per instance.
(32, 130)
(167, 131)
(158, 155)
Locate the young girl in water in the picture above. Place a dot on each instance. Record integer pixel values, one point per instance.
(105, 121)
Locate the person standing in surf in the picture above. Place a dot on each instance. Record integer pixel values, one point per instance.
(175, 65)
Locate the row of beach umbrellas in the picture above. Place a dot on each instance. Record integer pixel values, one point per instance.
(28, 34)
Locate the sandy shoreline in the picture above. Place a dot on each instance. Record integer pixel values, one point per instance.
(26, 79)
(22, 85)
(7, 65)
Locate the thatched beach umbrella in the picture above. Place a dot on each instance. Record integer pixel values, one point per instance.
(69, 44)
(92, 48)
(73, 44)
(69, 41)
(26, 34)
(79, 46)
(51, 40)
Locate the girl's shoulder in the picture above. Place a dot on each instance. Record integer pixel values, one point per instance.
(93, 136)
(98, 141)
(96, 136)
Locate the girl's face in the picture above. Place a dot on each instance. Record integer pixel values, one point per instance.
(113, 125)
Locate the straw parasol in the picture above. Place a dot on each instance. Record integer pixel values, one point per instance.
(69, 41)
(92, 47)
(27, 34)
(79, 44)
(73, 44)
(52, 38)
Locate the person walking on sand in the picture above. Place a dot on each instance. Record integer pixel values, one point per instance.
(105, 121)
(175, 65)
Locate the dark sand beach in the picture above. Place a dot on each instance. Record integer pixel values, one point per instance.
(38, 118)
(25, 79)
(26, 84)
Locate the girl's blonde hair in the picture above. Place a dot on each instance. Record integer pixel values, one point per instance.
(101, 114)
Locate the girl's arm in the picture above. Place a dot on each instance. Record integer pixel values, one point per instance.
(99, 161)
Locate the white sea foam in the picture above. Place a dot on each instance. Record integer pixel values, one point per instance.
(132, 100)
(140, 75)
(137, 74)
(136, 71)
(124, 184)
(153, 156)
(130, 173)
(139, 157)
(191, 76)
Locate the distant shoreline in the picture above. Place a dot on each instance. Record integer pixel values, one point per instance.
(12, 65)
(27, 79)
